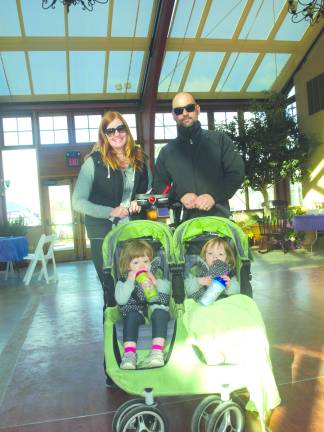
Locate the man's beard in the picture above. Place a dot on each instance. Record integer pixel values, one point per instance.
(187, 124)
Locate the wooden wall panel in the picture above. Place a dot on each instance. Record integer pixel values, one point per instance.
(52, 161)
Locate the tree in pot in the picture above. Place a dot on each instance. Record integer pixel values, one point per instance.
(271, 145)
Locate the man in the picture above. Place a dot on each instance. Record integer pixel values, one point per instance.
(202, 167)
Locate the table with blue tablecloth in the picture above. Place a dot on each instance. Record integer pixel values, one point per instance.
(12, 249)
(309, 222)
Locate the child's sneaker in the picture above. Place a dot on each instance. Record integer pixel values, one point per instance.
(156, 359)
(128, 360)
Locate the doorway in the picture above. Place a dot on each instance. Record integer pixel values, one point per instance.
(68, 226)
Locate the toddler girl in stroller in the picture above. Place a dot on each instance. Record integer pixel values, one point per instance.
(137, 256)
(217, 260)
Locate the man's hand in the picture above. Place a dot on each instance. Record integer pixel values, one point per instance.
(119, 212)
(189, 200)
(205, 202)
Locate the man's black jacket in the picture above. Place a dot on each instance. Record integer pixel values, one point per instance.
(202, 162)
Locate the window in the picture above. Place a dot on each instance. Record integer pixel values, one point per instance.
(296, 194)
(248, 115)
(53, 130)
(292, 110)
(157, 149)
(165, 127)
(131, 121)
(238, 202)
(22, 195)
(203, 118)
(291, 92)
(224, 117)
(86, 128)
(315, 94)
(17, 131)
(256, 198)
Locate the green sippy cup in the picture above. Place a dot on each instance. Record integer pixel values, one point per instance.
(149, 289)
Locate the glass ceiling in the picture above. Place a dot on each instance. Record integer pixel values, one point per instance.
(214, 49)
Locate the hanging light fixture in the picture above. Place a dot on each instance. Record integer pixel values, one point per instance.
(86, 4)
(309, 11)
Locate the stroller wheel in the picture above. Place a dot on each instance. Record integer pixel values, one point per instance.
(144, 419)
(203, 412)
(227, 417)
(123, 409)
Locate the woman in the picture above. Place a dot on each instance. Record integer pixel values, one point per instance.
(113, 173)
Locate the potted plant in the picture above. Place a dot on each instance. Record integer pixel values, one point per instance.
(271, 145)
(13, 227)
(249, 222)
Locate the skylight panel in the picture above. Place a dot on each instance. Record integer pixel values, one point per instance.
(133, 19)
(236, 71)
(16, 72)
(222, 19)
(268, 72)
(124, 71)
(82, 23)
(41, 22)
(261, 19)
(9, 22)
(203, 70)
(4, 90)
(172, 71)
(187, 18)
(48, 71)
(291, 31)
(88, 64)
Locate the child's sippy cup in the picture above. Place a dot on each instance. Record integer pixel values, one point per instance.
(213, 291)
(147, 285)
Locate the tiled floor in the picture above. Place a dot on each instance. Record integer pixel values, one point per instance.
(51, 361)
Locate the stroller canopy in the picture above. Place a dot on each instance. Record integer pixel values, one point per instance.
(209, 225)
(136, 229)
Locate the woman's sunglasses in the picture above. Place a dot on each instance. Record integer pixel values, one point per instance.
(189, 108)
(111, 131)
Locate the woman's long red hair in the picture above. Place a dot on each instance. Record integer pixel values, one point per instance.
(134, 153)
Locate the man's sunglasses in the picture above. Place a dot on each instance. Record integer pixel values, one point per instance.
(189, 108)
(120, 129)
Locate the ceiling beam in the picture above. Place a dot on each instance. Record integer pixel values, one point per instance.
(152, 74)
(73, 43)
(232, 45)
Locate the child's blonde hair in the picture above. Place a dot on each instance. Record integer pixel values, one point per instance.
(230, 255)
(134, 249)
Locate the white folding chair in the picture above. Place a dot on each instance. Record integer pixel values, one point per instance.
(9, 269)
(46, 242)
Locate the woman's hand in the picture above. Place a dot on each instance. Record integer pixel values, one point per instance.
(134, 207)
(119, 212)
(205, 281)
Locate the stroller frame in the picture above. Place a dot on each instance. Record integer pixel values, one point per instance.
(223, 379)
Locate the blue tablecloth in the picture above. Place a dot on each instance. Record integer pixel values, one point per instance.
(13, 248)
(308, 223)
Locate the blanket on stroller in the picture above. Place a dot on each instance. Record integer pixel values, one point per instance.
(232, 331)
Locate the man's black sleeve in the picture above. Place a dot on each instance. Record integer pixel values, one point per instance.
(161, 176)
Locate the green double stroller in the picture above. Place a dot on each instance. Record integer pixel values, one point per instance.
(187, 370)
